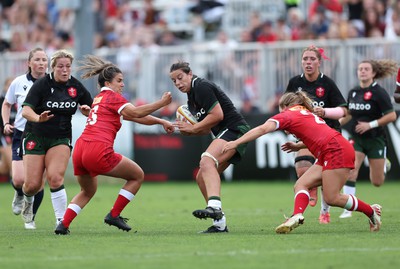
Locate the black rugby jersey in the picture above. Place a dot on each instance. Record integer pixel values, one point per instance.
(368, 104)
(203, 97)
(323, 91)
(61, 99)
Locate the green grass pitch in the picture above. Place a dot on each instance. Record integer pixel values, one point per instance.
(167, 235)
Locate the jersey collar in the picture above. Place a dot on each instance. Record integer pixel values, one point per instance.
(193, 80)
(30, 77)
(321, 75)
(297, 107)
(105, 89)
(373, 84)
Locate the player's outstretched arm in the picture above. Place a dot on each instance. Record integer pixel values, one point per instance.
(130, 111)
(268, 127)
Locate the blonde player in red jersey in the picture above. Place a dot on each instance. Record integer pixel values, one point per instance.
(335, 158)
(328, 103)
(94, 153)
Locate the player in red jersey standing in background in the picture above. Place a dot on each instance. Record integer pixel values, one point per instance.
(328, 103)
(335, 159)
(370, 109)
(94, 153)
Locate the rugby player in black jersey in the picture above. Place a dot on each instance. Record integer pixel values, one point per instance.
(370, 109)
(48, 108)
(215, 114)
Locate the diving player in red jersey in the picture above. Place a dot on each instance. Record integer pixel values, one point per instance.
(370, 109)
(328, 103)
(94, 153)
(335, 159)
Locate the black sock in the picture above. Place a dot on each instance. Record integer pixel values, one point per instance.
(37, 201)
(18, 190)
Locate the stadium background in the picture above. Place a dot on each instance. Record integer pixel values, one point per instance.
(250, 72)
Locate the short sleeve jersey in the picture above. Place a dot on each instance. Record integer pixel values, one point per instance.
(16, 95)
(323, 91)
(306, 126)
(204, 96)
(105, 118)
(368, 104)
(61, 99)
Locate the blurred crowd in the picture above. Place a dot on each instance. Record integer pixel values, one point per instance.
(329, 19)
(129, 25)
(343, 19)
(50, 23)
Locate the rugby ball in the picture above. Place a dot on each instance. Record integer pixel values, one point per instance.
(183, 114)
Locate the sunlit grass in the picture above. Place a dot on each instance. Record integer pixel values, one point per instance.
(167, 233)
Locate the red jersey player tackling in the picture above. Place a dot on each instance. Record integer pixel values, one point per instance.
(94, 154)
(335, 159)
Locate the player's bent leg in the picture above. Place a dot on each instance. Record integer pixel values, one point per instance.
(208, 168)
(134, 176)
(313, 196)
(212, 164)
(201, 184)
(377, 171)
(302, 164)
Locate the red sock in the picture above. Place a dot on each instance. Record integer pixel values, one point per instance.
(300, 202)
(119, 205)
(69, 217)
(365, 208)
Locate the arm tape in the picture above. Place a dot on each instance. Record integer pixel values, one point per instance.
(334, 113)
(373, 124)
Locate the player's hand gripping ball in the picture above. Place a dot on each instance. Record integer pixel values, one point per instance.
(183, 114)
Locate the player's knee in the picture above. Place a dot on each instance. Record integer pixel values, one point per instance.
(18, 181)
(377, 182)
(353, 175)
(377, 177)
(139, 175)
(55, 181)
(89, 192)
(332, 199)
(301, 171)
(205, 161)
(302, 163)
(31, 187)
